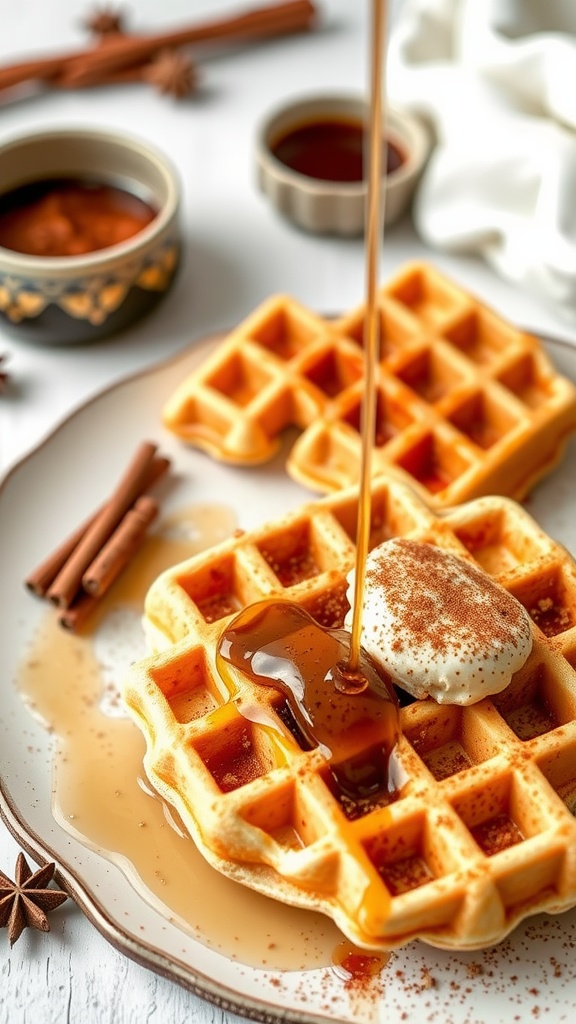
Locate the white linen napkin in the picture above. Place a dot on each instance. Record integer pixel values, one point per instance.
(496, 80)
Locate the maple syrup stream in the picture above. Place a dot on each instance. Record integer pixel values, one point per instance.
(335, 693)
(374, 230)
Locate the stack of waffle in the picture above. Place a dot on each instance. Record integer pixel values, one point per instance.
(482, 831)
(467, 404)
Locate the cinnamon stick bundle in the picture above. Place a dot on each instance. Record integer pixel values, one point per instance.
(40, 580)
(83, 567)
(65, 587)
(117, 52)
(116, 554)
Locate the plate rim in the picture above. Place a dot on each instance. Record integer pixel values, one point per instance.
(136, 948)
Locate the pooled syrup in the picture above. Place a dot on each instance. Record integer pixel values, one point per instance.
(100, 795)
(351, 715)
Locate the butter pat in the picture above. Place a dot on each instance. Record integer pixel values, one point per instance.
(439, 625)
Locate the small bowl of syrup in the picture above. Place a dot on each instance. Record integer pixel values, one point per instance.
(310, 158)
(89, 233)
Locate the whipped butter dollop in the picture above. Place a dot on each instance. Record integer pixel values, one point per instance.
(439, 625)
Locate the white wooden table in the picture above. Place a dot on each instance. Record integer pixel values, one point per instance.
(238, 251)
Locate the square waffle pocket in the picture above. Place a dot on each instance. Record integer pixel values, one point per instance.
(481, 832)
(467, 404)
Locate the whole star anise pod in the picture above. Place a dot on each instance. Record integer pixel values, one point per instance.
(105, 21)
(171, 72)
(26, 901)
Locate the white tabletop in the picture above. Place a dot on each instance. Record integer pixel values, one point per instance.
(238, 251)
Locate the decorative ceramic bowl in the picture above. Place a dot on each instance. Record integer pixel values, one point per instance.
(325, 206)
(70, 298)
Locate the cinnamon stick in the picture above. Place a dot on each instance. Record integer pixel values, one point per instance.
(118, 51)
(168, 72)
(74, 617)
(67, 583)
(42, 577)
(120, 548)
(42, 69)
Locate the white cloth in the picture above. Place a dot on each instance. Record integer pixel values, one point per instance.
(496, 80)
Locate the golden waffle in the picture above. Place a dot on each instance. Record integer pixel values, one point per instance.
(482, 834)
(467, 404)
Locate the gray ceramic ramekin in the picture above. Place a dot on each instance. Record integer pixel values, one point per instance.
(337, 207)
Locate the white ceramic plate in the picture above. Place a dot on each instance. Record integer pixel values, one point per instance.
(529, 976)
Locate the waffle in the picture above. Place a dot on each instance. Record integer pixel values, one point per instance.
(482, 832)
(467, 405)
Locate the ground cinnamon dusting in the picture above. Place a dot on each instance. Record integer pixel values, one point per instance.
(422, 563)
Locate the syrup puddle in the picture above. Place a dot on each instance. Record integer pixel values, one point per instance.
(100, 794)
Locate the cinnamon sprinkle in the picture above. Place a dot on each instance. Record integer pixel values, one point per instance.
(420, 620)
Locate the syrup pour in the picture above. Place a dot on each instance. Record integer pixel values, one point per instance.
(351, 716)
(334, 692)
(374, 231)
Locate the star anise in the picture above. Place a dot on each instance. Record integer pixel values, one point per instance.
(26, 901)
(171, 72)
(105, 21)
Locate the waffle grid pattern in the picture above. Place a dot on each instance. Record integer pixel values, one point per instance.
(483, 833)
(467, 404)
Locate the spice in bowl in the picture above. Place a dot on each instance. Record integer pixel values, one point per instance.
(89, 233)
(69, 217)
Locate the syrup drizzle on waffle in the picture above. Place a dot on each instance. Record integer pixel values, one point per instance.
(335, 697)
(481, 832)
